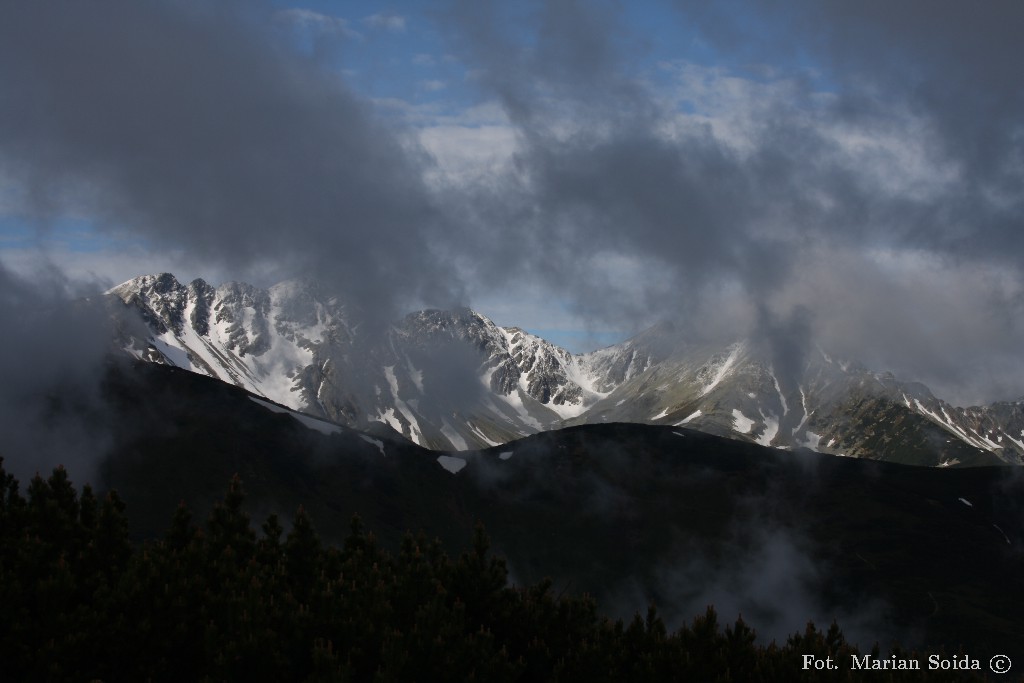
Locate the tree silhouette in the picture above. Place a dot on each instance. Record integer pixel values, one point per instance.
(215, 602)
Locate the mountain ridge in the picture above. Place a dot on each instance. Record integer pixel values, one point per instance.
(454, 380)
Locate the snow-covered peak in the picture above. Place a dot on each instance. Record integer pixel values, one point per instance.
(455, 380)
(161, 283)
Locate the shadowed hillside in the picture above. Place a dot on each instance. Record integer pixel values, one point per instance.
(627, 513)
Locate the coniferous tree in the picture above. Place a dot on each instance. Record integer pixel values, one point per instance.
(229, 526)
(302, 551)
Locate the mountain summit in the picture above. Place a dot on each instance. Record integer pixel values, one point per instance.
(453, 380)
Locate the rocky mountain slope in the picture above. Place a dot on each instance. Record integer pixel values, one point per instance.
(453, 380)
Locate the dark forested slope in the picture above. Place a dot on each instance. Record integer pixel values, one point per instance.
(630, 514)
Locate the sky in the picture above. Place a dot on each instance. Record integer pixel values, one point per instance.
(846, 174)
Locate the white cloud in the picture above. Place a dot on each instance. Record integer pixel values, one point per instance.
(472, 145)
(104, 268)
(468, 154)
(388, 22)
(432, 85)
(898, 154)
(952, 324)
(310, 20)
(423, 60)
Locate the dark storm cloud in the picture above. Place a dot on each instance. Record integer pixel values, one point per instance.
(955, 68)
(596, 175)
(610, 184)
(192, 125)
(910, 141)
(196, 126)
(51, 363)
(955, 65)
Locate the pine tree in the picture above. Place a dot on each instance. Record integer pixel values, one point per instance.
(111, 535)
(181, 531)
(302, 550)
(229, 526)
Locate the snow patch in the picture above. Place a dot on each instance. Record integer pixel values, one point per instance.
(692, 416)
(966, 502)
(453, 436)
(450, 463)
(740, 422)
(1020, 444)
(803, 420)
(414, 426)
(480, 435)
(771, 428)
(388, 417)
(170, 347)
(724, 369)
(505, 455)
(321, 426)
(582, 376)
(130, 349)
(318, 425)
(416, 375)
(270, 406)
(947, 423)
(515, 401)
(778, 389)
(374, 442)
(389, 372)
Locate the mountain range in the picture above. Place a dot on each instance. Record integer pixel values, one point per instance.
(619, 488)
(453, 380)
